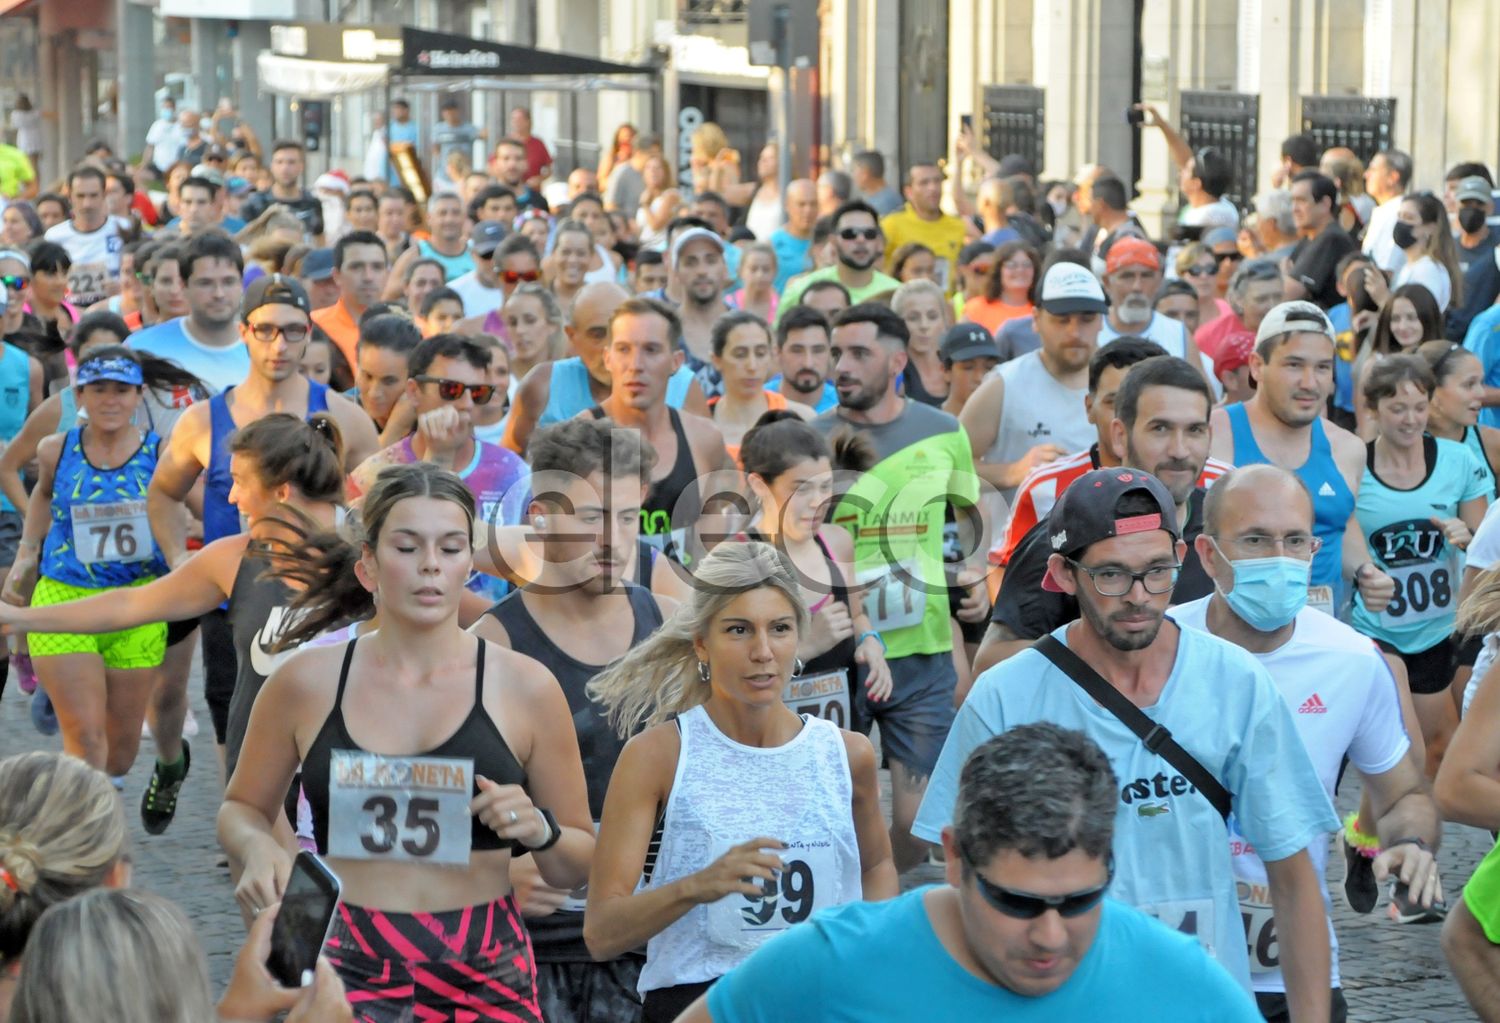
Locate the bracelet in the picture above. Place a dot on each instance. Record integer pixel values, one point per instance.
(866, 635)
(554, 833)
(1411, 840)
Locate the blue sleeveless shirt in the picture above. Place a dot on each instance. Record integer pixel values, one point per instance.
(100, 536)
(220, 518)
(570, 392)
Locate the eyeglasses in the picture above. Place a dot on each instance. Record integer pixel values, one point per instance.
(293, 332)
(513, 277)
(14, 283)
(1301, 546)
(1111, 581)
(1025, 906)
(452, 390)
(1201, 271)
(850, 234)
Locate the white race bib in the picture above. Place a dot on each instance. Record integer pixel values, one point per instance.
(808, 881)
(1261, 943)
(894, 596)
(824, 695)
(1193, 917)
(1423, 592)
(1321, 598)
(88, 282)
(400, 809)
(111, 533)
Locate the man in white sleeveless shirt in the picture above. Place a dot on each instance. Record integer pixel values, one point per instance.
(1032, 410)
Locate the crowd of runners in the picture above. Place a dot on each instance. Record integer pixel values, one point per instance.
(574, 566)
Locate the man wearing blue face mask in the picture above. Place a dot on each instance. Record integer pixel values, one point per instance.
(1194, 728)
(1258, 546)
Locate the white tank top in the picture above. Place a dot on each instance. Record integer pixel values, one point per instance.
(725, 793)
(764, 215)
(1039, 409)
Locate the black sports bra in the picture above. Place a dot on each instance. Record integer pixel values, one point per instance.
(477, 738)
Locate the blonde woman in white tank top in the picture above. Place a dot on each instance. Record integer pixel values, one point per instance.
(763, 816)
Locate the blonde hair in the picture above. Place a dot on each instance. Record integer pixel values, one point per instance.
(117, 955)
(61, 831)
(912, 290)
(709, 140)
(1479, 615)
(660, 678)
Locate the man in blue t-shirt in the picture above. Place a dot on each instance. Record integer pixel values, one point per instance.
(1022, 930)
(1117, 549)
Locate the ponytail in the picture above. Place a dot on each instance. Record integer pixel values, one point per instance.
(308, 454)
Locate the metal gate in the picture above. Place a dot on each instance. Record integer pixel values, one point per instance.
(1355, 122)
(1228, 121)
(1015, 122)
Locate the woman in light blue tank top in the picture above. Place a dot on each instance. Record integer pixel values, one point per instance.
(1420, 500)
(1458, 400)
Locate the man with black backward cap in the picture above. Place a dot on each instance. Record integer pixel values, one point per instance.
(1193, 726)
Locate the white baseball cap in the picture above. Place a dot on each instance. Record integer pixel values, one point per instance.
(1070, 288)
(693, 234)
(1301, 317)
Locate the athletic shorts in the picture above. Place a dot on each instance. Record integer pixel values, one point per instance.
(140, 647)
(914, 721)
(1427, 672)
(590, 992)
(1466, 650)
(179, 631)
(10, 536)
(472, 963)
(1274, 1008)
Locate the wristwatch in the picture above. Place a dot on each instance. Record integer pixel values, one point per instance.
(554, 833)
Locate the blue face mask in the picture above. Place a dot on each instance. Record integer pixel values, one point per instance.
(1268, 592)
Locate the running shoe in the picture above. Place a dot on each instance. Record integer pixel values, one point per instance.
(159, 801)
(1360, 890)
(25, 676)
(1404, 910)
(43, 717)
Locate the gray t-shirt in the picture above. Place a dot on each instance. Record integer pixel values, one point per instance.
(451, 138)
(887, 200)
(624, 190)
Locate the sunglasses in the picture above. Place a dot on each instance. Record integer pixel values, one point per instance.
(14, 283)
(512, 277)
(452, 390)
(1024, 906)
(850, 234)
(293, 332)
(1233, 257)
(1202, 271)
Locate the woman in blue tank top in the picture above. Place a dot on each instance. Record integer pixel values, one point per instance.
(87, 519)
(1457, 401)
(1419, 501)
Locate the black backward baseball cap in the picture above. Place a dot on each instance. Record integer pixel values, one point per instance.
(1087, 512)
(275, 289)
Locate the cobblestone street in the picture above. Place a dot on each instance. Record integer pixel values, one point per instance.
(1391, 972)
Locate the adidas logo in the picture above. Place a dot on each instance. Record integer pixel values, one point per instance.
(1326, 490)
(1313, 705)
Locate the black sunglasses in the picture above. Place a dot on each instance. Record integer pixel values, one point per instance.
(850, 234)
(1025, 906)
(451, 390)
(1233, 257)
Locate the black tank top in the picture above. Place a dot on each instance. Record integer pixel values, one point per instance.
(257, 612)
(841, 655)
(477, 738)
(657, 523)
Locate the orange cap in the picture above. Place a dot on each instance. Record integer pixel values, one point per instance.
(1132, 252)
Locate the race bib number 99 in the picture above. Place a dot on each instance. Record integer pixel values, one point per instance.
(807, 882)
(825, 695)
(111, 533)
(400, 809)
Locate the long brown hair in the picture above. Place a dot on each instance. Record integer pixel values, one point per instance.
(307, 453)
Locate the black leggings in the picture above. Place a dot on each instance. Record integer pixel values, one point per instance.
(220, 667)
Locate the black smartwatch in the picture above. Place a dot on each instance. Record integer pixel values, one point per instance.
(554, 833)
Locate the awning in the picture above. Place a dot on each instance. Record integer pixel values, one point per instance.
(316, 79)
(441, 53)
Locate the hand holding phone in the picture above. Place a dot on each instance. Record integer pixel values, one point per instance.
(303, 921)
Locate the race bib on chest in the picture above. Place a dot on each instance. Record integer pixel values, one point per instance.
(1423, 593)
(400, 809)
(894, 596)
(824, 695)
(808, 881)
(1194, 917)
(88, 282)
(1321, 598)
(1260, 927)
(111, 533)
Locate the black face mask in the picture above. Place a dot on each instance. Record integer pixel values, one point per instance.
(1403, 235)
(1471, 219)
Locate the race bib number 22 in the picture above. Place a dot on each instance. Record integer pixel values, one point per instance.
(400, 809)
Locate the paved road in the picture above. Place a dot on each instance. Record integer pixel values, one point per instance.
(1390, 972)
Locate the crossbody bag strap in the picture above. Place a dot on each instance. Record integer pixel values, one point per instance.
(1153, 736)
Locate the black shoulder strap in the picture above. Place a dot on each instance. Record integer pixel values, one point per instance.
(1152, 735)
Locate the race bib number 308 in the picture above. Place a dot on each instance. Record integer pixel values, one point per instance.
(399, 809)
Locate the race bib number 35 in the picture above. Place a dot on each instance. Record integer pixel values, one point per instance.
(412, 809)
(808, 881)
(825, 695)
(111, 533)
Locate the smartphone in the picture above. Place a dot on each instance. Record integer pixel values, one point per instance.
(966, 121)
(302, 922)
(1134, 116)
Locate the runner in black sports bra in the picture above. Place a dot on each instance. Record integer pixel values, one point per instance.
(477, 738)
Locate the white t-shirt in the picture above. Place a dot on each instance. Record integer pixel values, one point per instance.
(165, 140)
(1432, 275)
(1484, 553)
(479, 298)
(1343, 701)
(1380, 243)
(95, 255)
(1219, 213)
